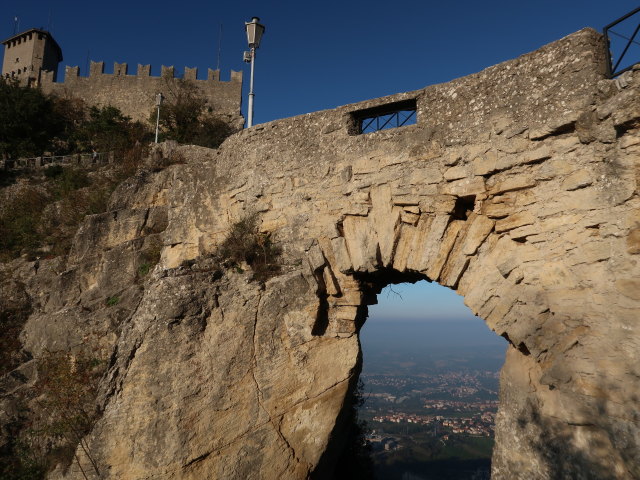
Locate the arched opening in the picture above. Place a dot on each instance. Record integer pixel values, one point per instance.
(429, 384)
(429, 374)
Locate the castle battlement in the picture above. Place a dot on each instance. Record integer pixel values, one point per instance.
(96, 69)
(134, 94)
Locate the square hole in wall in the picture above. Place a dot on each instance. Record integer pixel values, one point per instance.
(384, 117)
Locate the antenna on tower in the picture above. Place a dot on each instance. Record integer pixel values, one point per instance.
(49, 21)
(219, 46)
(16, 24)
(87, 64)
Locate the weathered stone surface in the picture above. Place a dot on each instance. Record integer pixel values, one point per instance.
(213, 375)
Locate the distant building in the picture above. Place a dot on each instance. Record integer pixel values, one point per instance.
(32, 58)
(28, 54)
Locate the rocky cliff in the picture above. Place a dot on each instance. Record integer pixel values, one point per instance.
(517, 187)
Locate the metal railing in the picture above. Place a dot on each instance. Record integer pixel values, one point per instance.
(76, 159)
(382, 117)
(613, 70)
(389, 120)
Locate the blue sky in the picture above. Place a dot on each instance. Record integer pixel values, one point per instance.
(319, 55)
(419, 301)
(315, 55)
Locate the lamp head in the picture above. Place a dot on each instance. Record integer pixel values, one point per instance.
(254, 31)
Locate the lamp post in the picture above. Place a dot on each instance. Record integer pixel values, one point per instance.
(159, 99)
(254, 33)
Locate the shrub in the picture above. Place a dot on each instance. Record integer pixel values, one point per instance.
(186, 118)
(61, 410)
(112, 301)
(245, 243)
(149, 256)
(28, 122)
(20, 222)
(53, 171)
(68, 180)
(11, 324)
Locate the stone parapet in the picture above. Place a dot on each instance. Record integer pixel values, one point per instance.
(135, 94)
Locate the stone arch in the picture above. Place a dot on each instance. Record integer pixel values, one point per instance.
(517, 187)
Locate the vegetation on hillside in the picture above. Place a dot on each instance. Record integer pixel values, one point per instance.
(245, 244)
(41, 212)
(55, 415)
(39, 216)
(186, 118)
(33, 124)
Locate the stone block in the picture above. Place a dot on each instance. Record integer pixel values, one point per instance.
(410, 218)
(439, 251)
(578, 179)
(479, 228)
(385, 218)
(496, 210)
(342, 258)
(457, 172)
(366, 164)
(453, 270)
(511, 184)
(362, 243)
(627, 141)
(415, 209)
(485, 164)
(316, 258)
(633, 242)
(330, 282)
(427, 241)
(404, 246)
(514, 221)
(406, 200)
(464, 188)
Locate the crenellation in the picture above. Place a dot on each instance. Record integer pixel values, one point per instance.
(144, 70)
(96, 68)
(168, 72)
(119, 69)
(71, 72)
(133, 95)
(214, 75)
(190, 73)
(47, 77)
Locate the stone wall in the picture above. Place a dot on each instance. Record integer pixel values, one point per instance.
(517, 187)
(135, 95)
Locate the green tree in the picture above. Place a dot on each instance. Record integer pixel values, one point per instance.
(186, 118)
(28, 122)
(106, 129)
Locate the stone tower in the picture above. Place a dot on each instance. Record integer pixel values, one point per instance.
(28, 54)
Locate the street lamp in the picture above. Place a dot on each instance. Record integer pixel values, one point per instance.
(159, 99)
(254, 34)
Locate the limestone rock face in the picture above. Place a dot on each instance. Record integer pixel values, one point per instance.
(517, 187)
